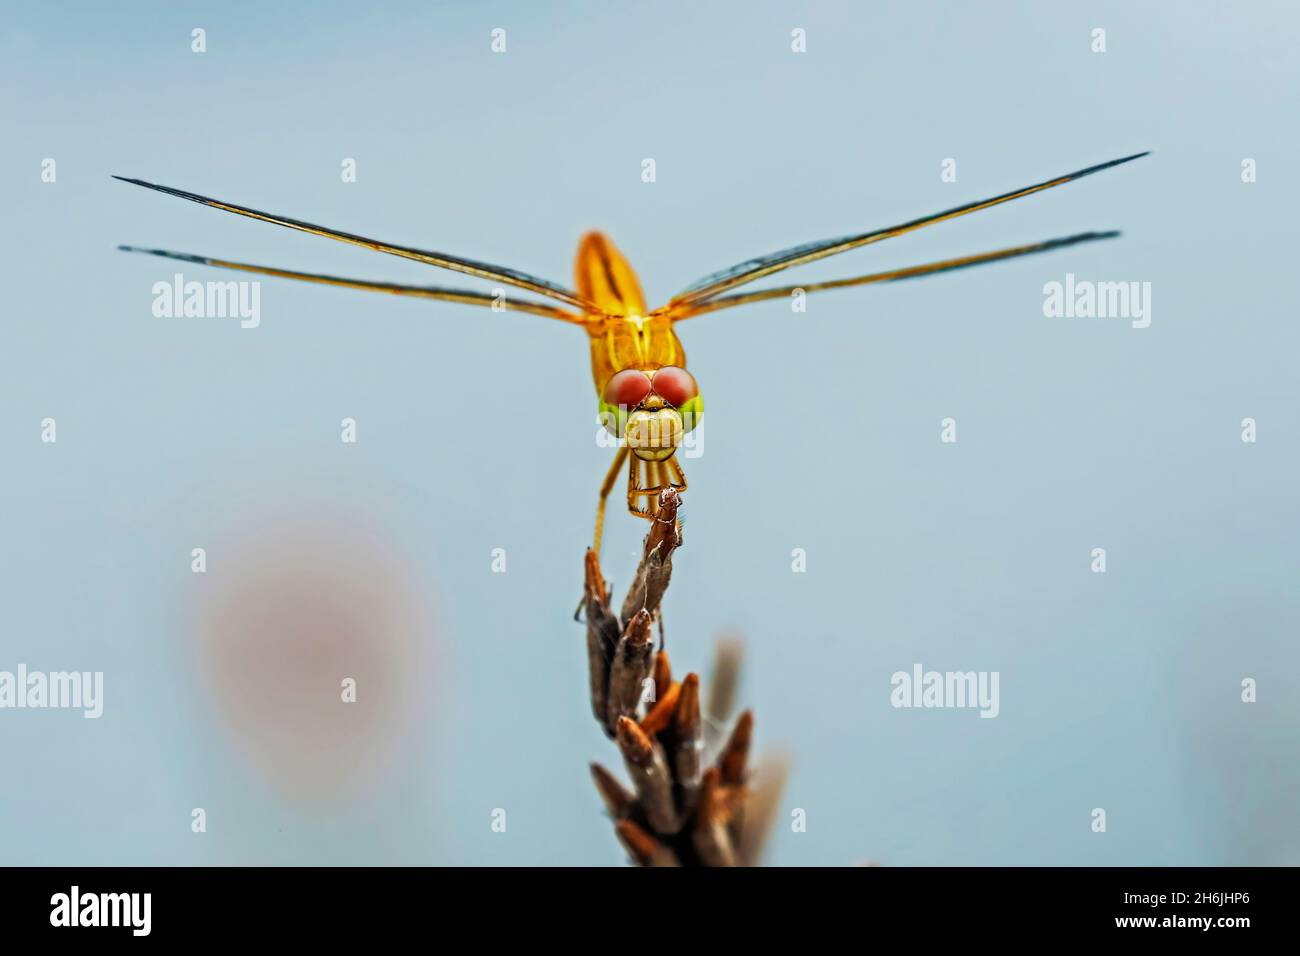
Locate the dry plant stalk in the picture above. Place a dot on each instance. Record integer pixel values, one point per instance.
(682, 809)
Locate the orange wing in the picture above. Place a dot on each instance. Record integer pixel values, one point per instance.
(603, 276)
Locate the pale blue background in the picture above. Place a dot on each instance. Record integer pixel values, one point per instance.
(1119, 691)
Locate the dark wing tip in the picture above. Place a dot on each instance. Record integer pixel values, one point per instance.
(1114, 162)
(167, 254)
(169, 190)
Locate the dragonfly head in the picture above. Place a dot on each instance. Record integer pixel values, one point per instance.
(651, 410)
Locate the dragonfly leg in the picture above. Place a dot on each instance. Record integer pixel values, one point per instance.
(676, 477)
(643, 496)
(637, 490)
(676, 481)
(605, 488)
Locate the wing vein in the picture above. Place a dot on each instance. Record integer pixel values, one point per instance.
(753, 269)
(465, 296)
(442, 260)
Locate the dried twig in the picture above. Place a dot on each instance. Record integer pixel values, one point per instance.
(761, 808)
(689, 733)
(648, 768)
(722, 684)
(736, 752)
(656, 568)
(618, 801)
(642, 847)
(711, 838)
(631, 664)
(679, 811)
(602, 634)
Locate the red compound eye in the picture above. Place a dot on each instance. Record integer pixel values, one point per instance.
(674, 385)
(628, 388)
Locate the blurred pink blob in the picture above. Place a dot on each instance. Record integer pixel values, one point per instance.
(296, 610)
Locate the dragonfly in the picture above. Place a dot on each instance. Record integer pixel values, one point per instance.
(646, 398)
